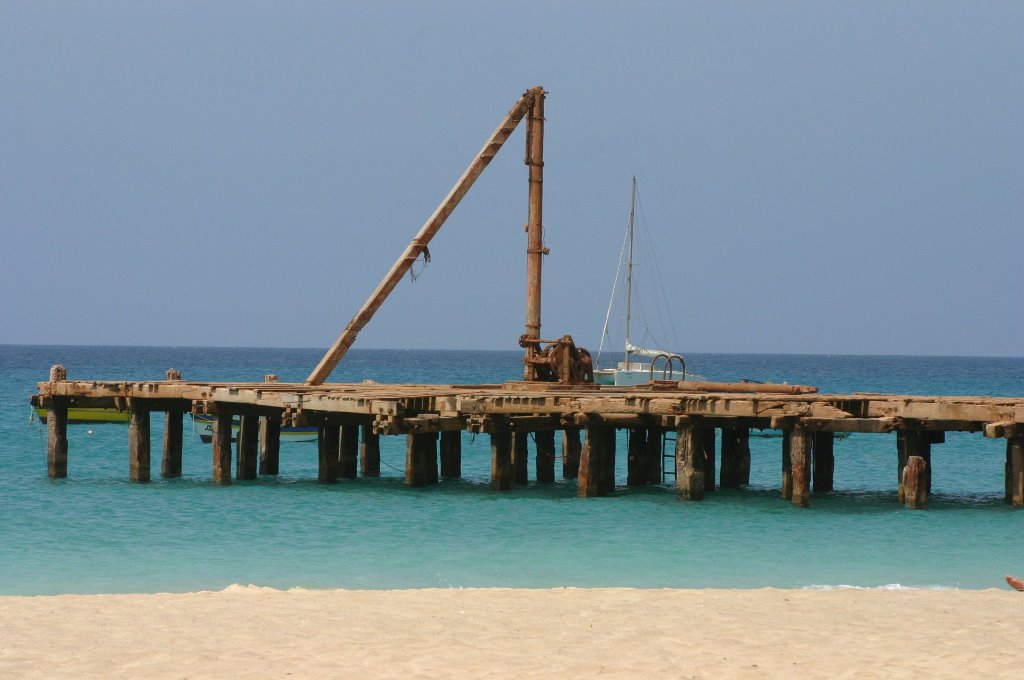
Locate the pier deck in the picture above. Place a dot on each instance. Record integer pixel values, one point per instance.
(351, 418)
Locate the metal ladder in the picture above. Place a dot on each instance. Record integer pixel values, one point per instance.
(668, 455)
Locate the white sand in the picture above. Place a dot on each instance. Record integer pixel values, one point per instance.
(260, 633)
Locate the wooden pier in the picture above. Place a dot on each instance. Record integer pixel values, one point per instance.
(557, 393)
(693, 420)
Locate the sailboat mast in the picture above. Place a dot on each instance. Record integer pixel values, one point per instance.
(629, 267)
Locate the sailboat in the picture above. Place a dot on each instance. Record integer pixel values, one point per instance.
(639, 365)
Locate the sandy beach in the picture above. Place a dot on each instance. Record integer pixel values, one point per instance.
(250, 632)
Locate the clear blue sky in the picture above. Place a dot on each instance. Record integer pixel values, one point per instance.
(822, 177)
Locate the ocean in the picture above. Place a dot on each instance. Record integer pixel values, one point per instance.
(95, 532)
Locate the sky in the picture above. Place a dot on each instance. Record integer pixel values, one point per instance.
(816, 177)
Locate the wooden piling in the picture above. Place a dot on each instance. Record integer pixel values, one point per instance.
(451, 454)
(1015, 470)
(328, 447)
(690, 462)
(57, 439)
(597, 449)
(901, 463)
(654, 443)
(501, 460)
(170, 465)
(824, 461)
(520, 452)
(607, 483)
(571, 451)
(800, 466)
(787, 466)
(428, 455)
(421, 459)
(708, 453)
(914, 482)
(222, 448)
(349, 454)
(730, 469)
(248, 447)
(138, 446)
(369, 452)
(743, 446)
(270, 445)
(637, 465)
(916, 449)
(545, 456)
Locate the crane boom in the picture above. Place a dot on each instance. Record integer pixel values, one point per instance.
(433, 224)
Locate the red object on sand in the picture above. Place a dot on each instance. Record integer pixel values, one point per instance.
(1015, 583)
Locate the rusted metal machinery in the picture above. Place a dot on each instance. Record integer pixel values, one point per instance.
(561, 361)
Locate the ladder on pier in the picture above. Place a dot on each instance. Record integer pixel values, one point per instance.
(668, 456)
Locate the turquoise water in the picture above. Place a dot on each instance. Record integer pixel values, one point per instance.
(96, 532)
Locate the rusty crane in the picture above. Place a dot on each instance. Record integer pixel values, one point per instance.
(560, 360)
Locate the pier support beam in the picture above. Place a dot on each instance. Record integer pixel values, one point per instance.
(824, 461)
(571, 451)
(421, 459)
(349, 456)
(915, 482)
(270, 445)
(730, 471)
(369, 452)
(690, 463)
(545, 456)
(654, 444)
(743, 445)
(138, 446)
(222, 448)
(57, 439)
(1015, 470)
(915, 458)
(800, 464)
(170, 464)
(708, 446)
(637, 464)
(520, 453)
(451, 454)
(328, 446)
(597, 462)
(787, 466)
(248, 447)
(501, 460)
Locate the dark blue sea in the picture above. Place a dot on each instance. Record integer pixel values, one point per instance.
(96, 532)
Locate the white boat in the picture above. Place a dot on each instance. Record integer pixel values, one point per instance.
(639, 364)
